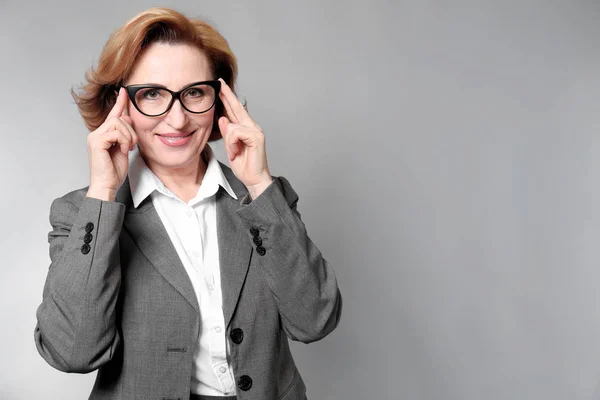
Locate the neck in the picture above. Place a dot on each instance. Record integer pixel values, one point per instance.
(184, 180)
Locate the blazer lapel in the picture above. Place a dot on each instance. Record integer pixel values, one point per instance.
(235, 249)
(148, 232)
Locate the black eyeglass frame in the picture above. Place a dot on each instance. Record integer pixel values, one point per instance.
(133, 89)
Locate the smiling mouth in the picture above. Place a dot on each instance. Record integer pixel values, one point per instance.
(171, 136)
(175, 139)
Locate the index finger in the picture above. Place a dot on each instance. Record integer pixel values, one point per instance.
(119, 106)
(231, 102)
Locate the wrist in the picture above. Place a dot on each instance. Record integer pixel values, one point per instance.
(101, 193)
(257, 189)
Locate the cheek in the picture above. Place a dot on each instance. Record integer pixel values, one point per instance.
(142, 125)
(204, 120)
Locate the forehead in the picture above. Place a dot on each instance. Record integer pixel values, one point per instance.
(171, 65)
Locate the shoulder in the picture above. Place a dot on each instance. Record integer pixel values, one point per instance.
(236, 185)
(229, 175)
(65, 207)
(73, 199)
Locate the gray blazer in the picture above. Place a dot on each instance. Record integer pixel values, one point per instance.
(118, 299)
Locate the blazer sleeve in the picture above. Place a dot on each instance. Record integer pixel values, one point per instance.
(76, 329)
(300, 279)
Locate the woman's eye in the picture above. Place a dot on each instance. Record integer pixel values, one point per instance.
(195, 92)
(151, 94)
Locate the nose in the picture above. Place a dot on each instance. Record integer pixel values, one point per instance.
(177, 117)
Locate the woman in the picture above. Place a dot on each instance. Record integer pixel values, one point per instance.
(173, 275)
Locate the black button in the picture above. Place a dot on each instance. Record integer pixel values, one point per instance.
(85, 248)
(245, 382)
(254, 231)
(89, 227)
(261, 250)
(87, 238)
(236, 335)
(257, 240)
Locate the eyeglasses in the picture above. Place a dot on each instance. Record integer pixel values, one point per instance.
(154, 101)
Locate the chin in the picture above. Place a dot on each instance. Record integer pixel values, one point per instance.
(171, 159)
(178, 160)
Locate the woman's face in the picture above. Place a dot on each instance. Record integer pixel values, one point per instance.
(174, 67)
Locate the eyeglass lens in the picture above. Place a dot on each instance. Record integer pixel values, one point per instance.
(155, 100)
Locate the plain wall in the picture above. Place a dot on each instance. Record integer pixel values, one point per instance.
(447, 158)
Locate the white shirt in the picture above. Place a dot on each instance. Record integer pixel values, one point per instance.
(192, 227)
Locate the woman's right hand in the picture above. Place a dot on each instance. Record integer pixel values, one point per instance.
(108, 151)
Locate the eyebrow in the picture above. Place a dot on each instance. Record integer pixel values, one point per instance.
(149, 84)
(163, 86)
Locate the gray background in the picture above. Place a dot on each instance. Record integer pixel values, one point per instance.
(447, 160)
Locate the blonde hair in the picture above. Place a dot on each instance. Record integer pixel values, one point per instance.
(98, 94)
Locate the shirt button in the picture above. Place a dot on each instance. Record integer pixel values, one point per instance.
(222, 369)
(196, 254)
(218, 329)
(188, 213)
(211, 287)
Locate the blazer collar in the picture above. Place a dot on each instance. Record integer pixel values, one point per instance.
(143, 182)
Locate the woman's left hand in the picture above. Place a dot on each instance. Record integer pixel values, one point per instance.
(244, 143)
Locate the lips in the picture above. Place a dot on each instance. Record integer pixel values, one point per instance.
(175, 139)
(174, 135)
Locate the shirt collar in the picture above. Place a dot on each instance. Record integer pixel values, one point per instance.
(143, 182)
